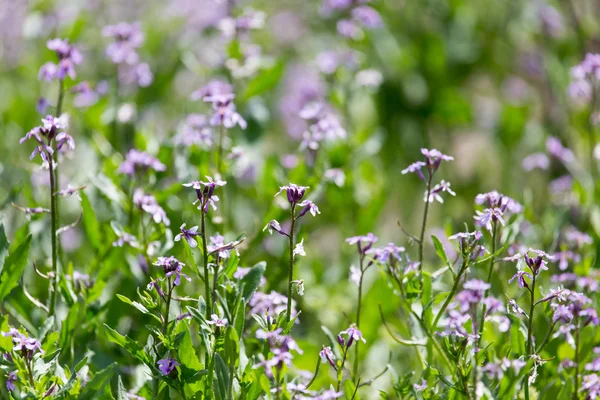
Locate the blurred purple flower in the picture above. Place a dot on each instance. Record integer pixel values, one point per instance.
(172, 266)
(167, 365)
(148, 203)
(127, 38)
(11, 378)
(140, 161)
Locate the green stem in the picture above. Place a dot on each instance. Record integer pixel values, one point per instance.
(291, 267)
(205, 261)
(358, 307)
(53, 217)
(463, 268)
(543, 344)
(341, 370)
(30, 374)
(215, 282)
(577, 358)
(424, 223)
(530, 331)
(168, 308)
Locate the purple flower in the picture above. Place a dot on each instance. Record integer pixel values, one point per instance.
(323, 125)
(172, 266)
(138, 74)
(212, 89)
(558, 151)
(273, 225)
(70, 191)
(11, 378)
(363, 242)
(415, 168)
(327, 356)
(367, 16)
(434, 194)
(308, 206)
(127, 38)
(68, 57)
(149, 204)
(29, 211)
(494, 200)
(188, 235)
(574, 236)
(25, 345)
(562, 313)
(216, 321)
(225, 113)
(420, 387)
(537, 160)
(139, 161)
(520, 276)
(353, 335)
(217, 245)
(514, 307)
(389, 253)
(273, 303)
(294, 193)
(195, 131)
(167, 365)
(205, 192)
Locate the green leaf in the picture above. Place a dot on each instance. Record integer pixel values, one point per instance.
(350, 391)
(133, 347)
(137, 305)
(251, 280)
(439, 250)
(232, 347)
(222, 382)
(265, 80)
(121, 392)
(72, 379)
(90, 222)
(3, 246)
(186, 353)
(93, 389)
(13, 268)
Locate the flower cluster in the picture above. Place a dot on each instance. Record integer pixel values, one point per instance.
(68, 57)
(127, 38)
(205, 192)
(140, 162)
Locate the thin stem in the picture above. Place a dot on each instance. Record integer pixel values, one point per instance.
(168, 301)
(424, 223)
(215, 281)
(59, 103)
(30, 373)
(358, 307)
(291, 267)
(465, 383)
(341, 370)
(205, 261)
(484, 308)
(578, 328)
(277, 380)
(530, 330)
(54, 228)
(219, 162)
(463, 268)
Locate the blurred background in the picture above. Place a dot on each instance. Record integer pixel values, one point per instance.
(486, 82)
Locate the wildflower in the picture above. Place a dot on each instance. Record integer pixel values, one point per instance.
(139, 161)
(335, 175)
(70, 191)
(495, 200)
(126, 238)
(188, 235)
(272, 302)
(216, 321)
(127, 38)
(167, 365)
(25, 345)
(11, 378)
(172, 266)
(353, 334)
(309, 206)
(433, 158)
(514, 307)
(212, 89)
(561, 313)
(68, 57)
(559, 294)
(294, 193)
(537, 160)
(469, 243)
(420, 387)
(298, 286)
(520, 276)
(557, 150)
(195, 131)
(274, 226)
(363, 242)
(29, 211)
(434, 193)
(217, 245)
(149, 204)
(205, 192)
(489, 216)
(225, 113)
(388, 253)
(574, 236)
(327, 356)
(355, 275)
(299, 249)
(323, 125)
(416, 169)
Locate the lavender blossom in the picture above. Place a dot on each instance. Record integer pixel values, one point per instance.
(363, 243)
(225, 113)
(434, 193)
(68, 57)
(139, 161)
(353, 335)
(327, 356)
(127, 39)
(188, 234)
(11, 378)
(172, 266)
(217, 321)
(294, 193)
(149, 204)
(205, 192)
(273, 225)
(212, 89)
(167, 365)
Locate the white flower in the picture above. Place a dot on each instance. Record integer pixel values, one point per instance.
(299, 249)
